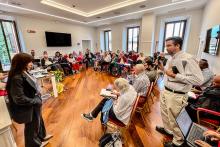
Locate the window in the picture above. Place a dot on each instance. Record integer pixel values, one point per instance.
(9, 44)
(133, 39)
(174, 28)
(108, 40)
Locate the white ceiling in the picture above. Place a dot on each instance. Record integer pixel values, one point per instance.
(109, 11)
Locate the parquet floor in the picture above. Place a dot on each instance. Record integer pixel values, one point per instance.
(62, 115)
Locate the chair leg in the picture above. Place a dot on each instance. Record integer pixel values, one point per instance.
(151, 97)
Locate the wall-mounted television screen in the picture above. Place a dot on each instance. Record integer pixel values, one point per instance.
(54, 39)
(212, 40)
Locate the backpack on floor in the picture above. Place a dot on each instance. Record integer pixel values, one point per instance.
(110, 140)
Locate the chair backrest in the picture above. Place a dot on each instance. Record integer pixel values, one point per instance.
(149, 89)
(134, 108)
(156, 79)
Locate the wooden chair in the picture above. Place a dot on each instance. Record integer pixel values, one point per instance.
(121, 128)
(154, 84)
(214, 124)
(119, 125)
(146, 107)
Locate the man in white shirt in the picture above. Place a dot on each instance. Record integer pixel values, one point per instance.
(181, 72)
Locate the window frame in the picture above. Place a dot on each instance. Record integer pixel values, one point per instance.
(138, 35)
(4, 36)
(173, 22)
(106, 31)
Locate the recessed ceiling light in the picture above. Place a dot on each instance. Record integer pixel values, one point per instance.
(142, 6)
(98, 17)
(117, 13)
(15, 3)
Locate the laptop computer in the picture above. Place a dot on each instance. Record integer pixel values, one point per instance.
(190, 130)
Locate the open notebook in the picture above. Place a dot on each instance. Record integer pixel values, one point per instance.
(107, 93)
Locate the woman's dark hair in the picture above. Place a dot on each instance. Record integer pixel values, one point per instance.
(18, 65)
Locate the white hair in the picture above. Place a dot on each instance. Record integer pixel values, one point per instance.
(122, 84)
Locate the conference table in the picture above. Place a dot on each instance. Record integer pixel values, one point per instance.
(42, 75)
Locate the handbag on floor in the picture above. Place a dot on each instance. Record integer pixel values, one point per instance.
(110, 140)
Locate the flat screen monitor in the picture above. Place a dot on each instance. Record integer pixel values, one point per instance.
(212, 40)
(54, 39)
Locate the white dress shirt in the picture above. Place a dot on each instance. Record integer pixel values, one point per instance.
(123, 105)
(188, 76)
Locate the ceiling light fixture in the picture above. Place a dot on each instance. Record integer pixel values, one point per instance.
(127, 14)
(145, 10)
(92, 13)
(142, 6)
(15, 3)
(43, 13)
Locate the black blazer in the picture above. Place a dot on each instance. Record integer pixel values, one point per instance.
(23, 100)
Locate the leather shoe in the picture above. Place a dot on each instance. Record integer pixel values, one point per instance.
(170, 144)
(163, 131)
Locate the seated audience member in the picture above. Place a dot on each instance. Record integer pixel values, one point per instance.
(57, 57)
(132, 57)
(80, 57)
(150, 71)
(3, 77)
(209, 99)
(122, 107)
(98, 59)
(36, 62)
(88, 58)
(113, 62)
(75, 55)
(162, 59)
(106, 60)
(213, 138)
(46, 61)
(140, 59)
(207, 74)
(140, 83)
(65, 65)
(122, 59)
(73, 62)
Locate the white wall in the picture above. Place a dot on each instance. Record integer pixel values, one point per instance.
(211, 18)
(37, 41)
(147, 34)
(118, 34)
(193, 26)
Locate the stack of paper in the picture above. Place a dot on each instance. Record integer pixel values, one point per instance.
(107, 93)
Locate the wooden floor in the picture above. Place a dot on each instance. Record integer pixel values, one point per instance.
(62, 115)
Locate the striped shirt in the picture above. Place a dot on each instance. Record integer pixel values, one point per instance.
(141, 83)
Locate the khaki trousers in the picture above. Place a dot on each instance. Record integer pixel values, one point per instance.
(170, 106)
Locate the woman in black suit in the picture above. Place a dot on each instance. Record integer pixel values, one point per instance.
(25, 100)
